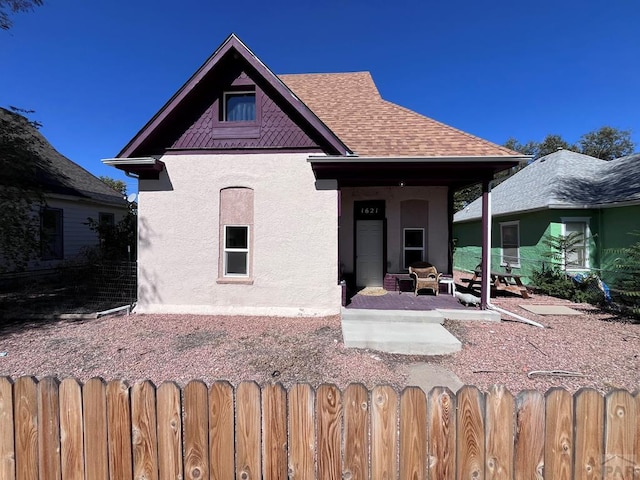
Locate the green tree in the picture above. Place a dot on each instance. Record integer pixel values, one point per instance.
(117, 185)
(117, 242)
(552, 143)
(607, 143)
(627, 286)
(11, 7)
(21, 191)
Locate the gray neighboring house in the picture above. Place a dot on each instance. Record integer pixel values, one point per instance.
(558, 194)
(71, 195)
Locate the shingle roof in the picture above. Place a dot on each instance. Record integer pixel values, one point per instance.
(57, 173)
(351, 106)
(563, 179)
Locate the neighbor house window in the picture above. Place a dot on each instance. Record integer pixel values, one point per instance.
(510, 244)
(236, 250)
(51, 236)
(576, 232)
(413, 246)
(106, 219)
(239, 106)
(236, 235)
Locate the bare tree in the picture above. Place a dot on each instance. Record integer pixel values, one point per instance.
(11, 7)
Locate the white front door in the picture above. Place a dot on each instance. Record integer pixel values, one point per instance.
(369, 253)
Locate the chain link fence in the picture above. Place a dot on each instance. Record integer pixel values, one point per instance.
(82, 289)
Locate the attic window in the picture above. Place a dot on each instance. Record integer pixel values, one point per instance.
(239, 106)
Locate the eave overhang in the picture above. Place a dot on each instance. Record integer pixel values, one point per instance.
(454, 171)
(146, 168)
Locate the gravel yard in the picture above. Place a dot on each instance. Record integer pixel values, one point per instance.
(183, 347)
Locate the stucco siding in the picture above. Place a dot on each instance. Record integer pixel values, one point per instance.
(294, 265)
(435, 217)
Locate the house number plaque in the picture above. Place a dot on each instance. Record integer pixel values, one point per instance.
(369, 210)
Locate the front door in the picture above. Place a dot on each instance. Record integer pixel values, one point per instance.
(369, 245)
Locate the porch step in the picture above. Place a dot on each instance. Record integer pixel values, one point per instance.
(419, 316)
(415, 335)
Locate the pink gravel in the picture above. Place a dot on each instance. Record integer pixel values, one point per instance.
(290, 350)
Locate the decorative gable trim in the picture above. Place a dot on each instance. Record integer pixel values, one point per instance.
(328, 141)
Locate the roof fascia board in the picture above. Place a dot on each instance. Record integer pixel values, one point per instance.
(234, 42)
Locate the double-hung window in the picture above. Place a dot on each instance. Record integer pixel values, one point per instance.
(51, 234)
(413, 246)
(576, 232)
(510, 244)
(239, 106)
(236, 250)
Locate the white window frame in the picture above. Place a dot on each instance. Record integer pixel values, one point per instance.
(226, 250)
(405, 248)
(238, 92)
(503, 262)
(587, 246)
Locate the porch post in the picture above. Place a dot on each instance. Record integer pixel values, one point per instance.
(450, 212)
(485, 263)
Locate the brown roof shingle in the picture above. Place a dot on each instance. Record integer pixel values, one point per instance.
(351, 106)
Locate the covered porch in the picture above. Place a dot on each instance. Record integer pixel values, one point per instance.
(393, 212)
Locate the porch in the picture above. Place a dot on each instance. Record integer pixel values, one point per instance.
(401, 322)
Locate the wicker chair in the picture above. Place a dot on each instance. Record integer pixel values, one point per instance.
(424, 276)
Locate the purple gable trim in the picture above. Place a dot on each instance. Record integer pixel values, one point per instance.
(333, 144)
(273, 128)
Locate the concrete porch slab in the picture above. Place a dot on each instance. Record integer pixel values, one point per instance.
(420, 316)
(470, 315)
(415, 335)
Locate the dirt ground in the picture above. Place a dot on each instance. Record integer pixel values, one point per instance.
(597, 349)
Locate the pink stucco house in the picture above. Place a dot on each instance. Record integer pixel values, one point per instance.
(259, 193)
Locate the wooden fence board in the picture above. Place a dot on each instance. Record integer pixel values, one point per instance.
(589, 432)
(301, 432)
(329, 420)
(48, 429)
(144, 423)
(119, 430)
(413, 434)
(529, 449)
(248, 434)
(558, 451)
(196, 431)
(384, 441)
(356, 432)
(470, 443)
(71, 422)
(500, 431)
(25, 414)
(94, 406)
(221, 431)
(67, 431)
(7, 449)
(441, 415)
(620, 449)
(169, 413)
(274, 432)
(637, 401)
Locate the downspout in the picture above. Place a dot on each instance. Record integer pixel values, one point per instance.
(485, 262)
(485, 292)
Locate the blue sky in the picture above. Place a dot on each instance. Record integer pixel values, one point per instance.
(96, 71)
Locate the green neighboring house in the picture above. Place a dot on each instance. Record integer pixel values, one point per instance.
(558, 194)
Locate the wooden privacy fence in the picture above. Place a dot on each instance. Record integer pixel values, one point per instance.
(66, 430)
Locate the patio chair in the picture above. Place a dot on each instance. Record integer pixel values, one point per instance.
(424, 276)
